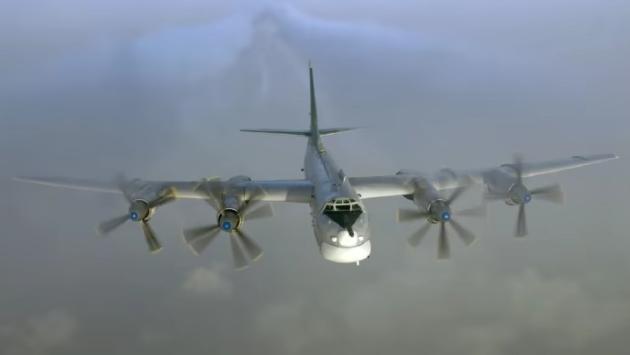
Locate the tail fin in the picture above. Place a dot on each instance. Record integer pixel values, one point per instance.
(314, 132)
(314, 128)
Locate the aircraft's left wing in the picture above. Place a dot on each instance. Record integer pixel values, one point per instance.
(403, 183)
(382, 186)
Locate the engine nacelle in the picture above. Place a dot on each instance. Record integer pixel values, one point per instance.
(428, 200)
(518, 194)
(439, 211)
(426, 196)
(229, 219)
(139, 210)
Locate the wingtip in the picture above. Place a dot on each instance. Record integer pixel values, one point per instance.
(27, 179)
(610, 156)
(596, 157)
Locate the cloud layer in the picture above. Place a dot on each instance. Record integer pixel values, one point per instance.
(158, 90)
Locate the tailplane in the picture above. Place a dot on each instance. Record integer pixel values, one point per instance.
(314, 132)
(303, 133)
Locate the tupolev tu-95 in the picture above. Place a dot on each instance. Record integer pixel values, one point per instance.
(340, 219)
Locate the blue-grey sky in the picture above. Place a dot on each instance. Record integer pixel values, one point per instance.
(159, 89)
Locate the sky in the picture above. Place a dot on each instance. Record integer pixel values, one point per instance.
(159, 90)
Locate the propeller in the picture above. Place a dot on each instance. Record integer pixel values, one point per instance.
(230, 220)
(140, 211)
(439, 212)
(519, 195)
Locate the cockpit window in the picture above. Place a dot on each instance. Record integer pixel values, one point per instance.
(344, 212)
(342, 205)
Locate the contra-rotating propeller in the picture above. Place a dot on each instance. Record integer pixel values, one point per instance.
(140, 211)
(229, 220)
(439, 212)
(519, 195)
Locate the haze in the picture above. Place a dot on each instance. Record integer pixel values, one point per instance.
(159, 89)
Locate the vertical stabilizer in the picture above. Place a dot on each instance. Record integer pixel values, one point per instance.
(314, 129)
(313, 133)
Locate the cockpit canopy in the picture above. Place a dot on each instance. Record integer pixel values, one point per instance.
(343, 211)
(342, 204)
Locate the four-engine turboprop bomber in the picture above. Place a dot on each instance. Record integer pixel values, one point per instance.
(340, 219)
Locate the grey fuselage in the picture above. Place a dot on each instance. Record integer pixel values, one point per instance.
(342, 235)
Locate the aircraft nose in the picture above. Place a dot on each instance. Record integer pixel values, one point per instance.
(346, 240)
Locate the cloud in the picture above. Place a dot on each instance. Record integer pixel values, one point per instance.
(299, 327)
(160, 92)
(152, 337)
(565, 309)
(39, 335)
(208, 281)
(475, 312)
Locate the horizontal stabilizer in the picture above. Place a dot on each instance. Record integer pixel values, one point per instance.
(304, 133)
(331, 131)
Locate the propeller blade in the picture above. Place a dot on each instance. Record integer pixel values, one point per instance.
(408, 215)
(491, 196)
(521, 222)
(109, 225)
(478, 211)
(237, 253)
(456, 194)
(166, 197)
(444, 251)
(551, 193)
(216, 191)
(199, 238)
(192, 234)
(253, 200)
(149, 235)
(417, 237)
(251, 248)
(264, 211)
(464, 234)
(518, 166)
(212, 189)
(121, 182)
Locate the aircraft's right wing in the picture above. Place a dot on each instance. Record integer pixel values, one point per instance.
(299, 191)
(73, 183)
(234, 200)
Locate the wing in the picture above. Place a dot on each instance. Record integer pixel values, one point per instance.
(555, 166)
(71, 183)
(402, 183)
(382, 186)
(299, 191)
(541, 168)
